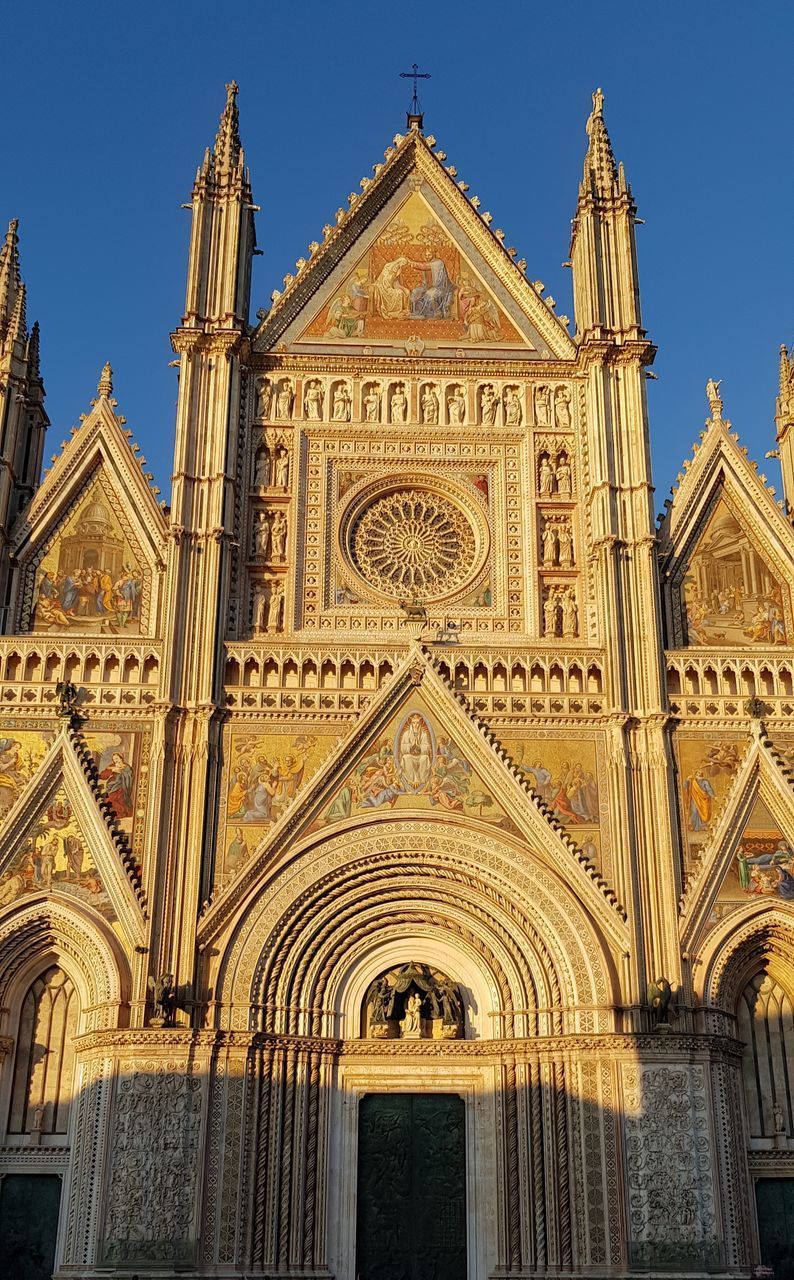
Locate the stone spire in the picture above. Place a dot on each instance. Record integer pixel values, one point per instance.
(228, 153)
(17, 325)
(603, 250)
(10, 277)
(34, 353)
(21, 400)
(784, 421)
(600, 170)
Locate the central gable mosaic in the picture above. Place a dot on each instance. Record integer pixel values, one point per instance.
(414, 282)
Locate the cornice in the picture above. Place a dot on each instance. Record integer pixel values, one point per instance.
(165, 1041)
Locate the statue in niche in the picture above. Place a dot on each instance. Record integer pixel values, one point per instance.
(164, 999)
(513, 413)
(264, 397)
(562, 408)
(258, 608)
(570, 614)
(446, 1003)
(262, 468)
(545, 477)
(282, 468)
(489, 403)
(278, 535)
(313, 401)
(565, 545)
(275, 608)
(551, 612)
(563, 476)
(411, 1023)
(341, 404)
(372, 403)
(778, 1119)
(284, 399)
(457, 407)
(381, 1007)
(37, 1125)
(429, 407)
(549, 544)
(261, 534)
(543, 406)
(399, 403)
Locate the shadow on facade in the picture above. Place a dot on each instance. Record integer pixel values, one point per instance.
(270, 1155)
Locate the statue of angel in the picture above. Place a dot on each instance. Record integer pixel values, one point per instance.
(662, 1001)
(163, 999)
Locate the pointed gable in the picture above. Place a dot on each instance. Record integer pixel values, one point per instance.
(725, 551)
(748, 856)
(59, 838)
(91, 545)
(412, 268)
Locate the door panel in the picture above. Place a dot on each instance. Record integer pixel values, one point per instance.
(775, 1199)
(29, 1205)
(411, 1188)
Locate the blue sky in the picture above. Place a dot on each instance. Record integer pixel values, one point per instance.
(107, 110)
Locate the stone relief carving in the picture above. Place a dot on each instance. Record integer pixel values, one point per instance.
(562, 475)
(560, 612)
(562, 408)
(267, 605)
(554, 472)
(429, 404)
(313, 401)
(398, 403)
(489, 405)
(514, 414)
(341, 402)
(285, 397)
(261, 535)
(414, 1002)
(543, 406)
(669, 1167)
(153, 1159)
(370, 401)
(264, 397)
(456, 406)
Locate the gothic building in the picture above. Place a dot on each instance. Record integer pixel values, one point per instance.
(397, 830)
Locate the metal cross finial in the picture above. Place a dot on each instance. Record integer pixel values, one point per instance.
(415, 75)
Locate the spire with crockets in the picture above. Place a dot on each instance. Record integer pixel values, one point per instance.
(23, 420)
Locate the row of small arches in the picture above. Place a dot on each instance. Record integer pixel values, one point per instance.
(475, 676)
(730, 680)
(90, 668)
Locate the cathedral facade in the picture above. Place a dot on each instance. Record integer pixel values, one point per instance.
(397, 830)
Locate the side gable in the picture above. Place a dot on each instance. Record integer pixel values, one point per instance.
(90, 548)
(750, 853)
(59, 838)
(412, 268)
(726, 552)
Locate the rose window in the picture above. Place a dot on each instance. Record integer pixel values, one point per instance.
(413, 543)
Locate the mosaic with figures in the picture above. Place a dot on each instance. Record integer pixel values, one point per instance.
(731, 596)
(414, 764)
(90, 578)
(117, 756)
(414, 280)
(763, 866)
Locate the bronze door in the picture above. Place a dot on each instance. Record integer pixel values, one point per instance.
(411, 1222)
(775, 1199)
(29, 1205)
